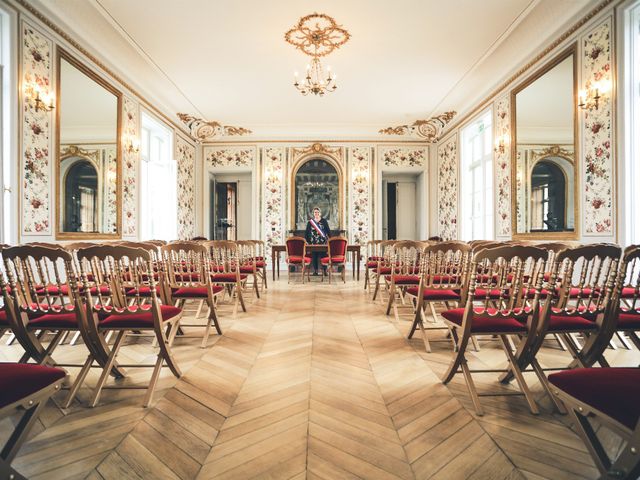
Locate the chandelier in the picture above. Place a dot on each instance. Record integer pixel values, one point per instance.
(317, 35)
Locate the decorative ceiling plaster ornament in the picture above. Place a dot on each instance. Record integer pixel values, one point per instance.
(319, 148)
(430, 130)
(317, 35)
(202, 130)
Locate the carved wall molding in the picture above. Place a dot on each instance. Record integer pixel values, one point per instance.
(203, 130)
(430, 130)
(335, 152)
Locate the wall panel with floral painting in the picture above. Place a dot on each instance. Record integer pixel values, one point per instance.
(186, 188)
(36, 51)
(502, 166)
(130, 167)
(359, 194)
(448, 188)
(597, 132)
(273, 192)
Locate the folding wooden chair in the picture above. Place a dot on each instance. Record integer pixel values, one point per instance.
(404, 260)
(224, 258)
(248, 265)
(24, 389)
(609, 397)
(374, 256)
(189, 278)
(383, 267)
(496, 303)
(127, 271)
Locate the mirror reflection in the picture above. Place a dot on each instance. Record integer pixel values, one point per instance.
(545, 152)
(88, 159)
(316, 185)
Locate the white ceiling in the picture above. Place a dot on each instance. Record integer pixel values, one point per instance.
(228, 61)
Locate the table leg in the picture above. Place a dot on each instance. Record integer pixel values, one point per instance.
(278, 263)
(358, 262)
(273, 264)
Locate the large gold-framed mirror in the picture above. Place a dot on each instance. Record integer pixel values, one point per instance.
(544, 152)
(88, 153)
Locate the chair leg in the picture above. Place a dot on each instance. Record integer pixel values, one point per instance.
(590, 439)
(82, 375)
(392, 294)
(107, 368)
(20, 433)
(524, 388)
(154, 381)
(542, 378)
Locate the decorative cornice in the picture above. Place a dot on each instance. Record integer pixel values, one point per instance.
(430, 129)
(319, 148)
(203, 130)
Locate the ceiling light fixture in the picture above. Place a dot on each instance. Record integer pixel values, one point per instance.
(317, 35)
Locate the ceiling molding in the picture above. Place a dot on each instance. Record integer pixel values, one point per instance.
(203, 130)
(430, 129)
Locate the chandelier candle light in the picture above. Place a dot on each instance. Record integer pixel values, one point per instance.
(317, 35)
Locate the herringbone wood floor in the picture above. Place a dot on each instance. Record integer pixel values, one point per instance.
(313, 382)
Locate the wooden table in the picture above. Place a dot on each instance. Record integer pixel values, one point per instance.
(276, 250)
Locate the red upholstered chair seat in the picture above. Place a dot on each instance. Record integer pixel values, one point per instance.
(404, 279)
(137, 317)
(62, 320)
(20, 380)
(247, 269)
(486, 323)
(258, 259)
(383, 270)
(630, 292)
(260, 264)
(64, 290)
(437, 279)
(336, 259)
(375, 258)
(295, 259)
(227, 277)
(434, 294)
(612, 391)
(4, 321)
(142, 291)
(195, 292)
(187, 277)
(494, 293)
(629, 320)
(561, 321)
(372, 264)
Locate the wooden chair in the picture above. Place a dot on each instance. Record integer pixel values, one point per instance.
(127, 271)
(261, 261)
(336, 256)
(24, 390)
(224, 257)
(404, 260)
(188, 277)
(249, 265)
(510, 271)
(577, 300)
(384, 265)
(296, 248)
(374, 257)
(443, 275)
(608, 397)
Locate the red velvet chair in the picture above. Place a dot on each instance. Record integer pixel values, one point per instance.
(609, 397)
(297, 256)
(24, 388)
(336, 256)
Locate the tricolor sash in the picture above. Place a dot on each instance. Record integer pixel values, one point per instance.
(317, 227)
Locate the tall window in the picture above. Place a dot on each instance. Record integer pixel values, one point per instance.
(8, 232)
(476, 180)
(631, 206)
(158, 199)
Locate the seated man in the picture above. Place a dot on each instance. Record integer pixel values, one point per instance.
(317, 233)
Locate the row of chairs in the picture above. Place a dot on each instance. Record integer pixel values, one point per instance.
(521, 295)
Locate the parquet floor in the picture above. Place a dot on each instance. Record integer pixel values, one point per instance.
(313, 382)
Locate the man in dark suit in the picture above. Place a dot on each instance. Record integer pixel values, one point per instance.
(317, 233)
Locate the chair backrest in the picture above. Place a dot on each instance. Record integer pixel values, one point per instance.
(223, 256)
(296, 246)
(404, 257)
(447, 264)
(507, 278)
(185, 264)
(246, 254)
(374, 251)
(627, 287)
(337, 246)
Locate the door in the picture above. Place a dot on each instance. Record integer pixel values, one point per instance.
(224, 210)
(405, 211)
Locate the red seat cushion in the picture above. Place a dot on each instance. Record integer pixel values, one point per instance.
(612, 391)
(53, 318)
(248, 269)
(372, 264)
(629, 320)
(227, 277)
(375, 258)
(629, 292)
(494, 293)
(336, 259)
(195, 292)
(436, 279)
(483, 323)
(383, 270)
(260, 264)
(143, 291)
(4, 321)
(138, 317)
(404, 279)
(295, 259)
(432, 294)
(573, 322)
(20, 380)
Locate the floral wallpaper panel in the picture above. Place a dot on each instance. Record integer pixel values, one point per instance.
(402, 156)
(448, 188)
(360, 194)
(273, 175)
(598, 134)
(37, 75)
(111, 215)
(230, 156)
(502, 168)
(131, 131)
(186, 158)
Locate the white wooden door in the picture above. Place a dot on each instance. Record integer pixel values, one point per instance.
(406, 211)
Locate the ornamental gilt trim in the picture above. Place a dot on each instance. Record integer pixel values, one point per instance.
(430, 130)
(203, 130)
(317, 35)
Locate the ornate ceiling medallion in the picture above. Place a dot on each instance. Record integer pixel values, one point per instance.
(317, 35)
(430, 130)
(203, 130)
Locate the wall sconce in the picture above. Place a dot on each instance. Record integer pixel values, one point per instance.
(501, 144)
(32, 91)
(590, 98)
(131, 145)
